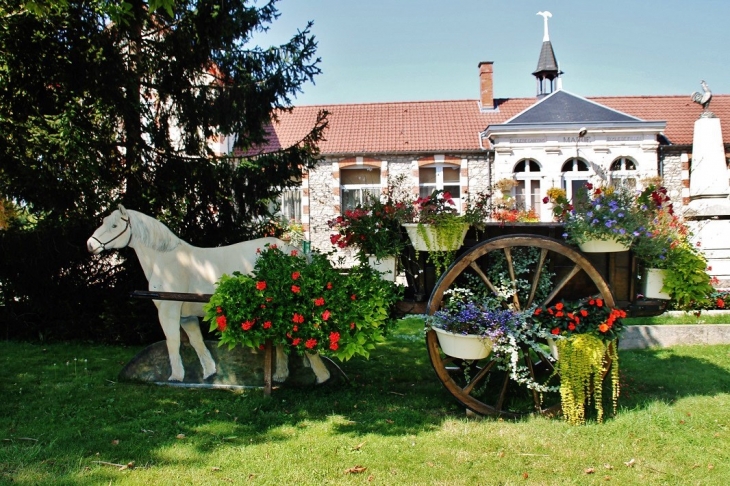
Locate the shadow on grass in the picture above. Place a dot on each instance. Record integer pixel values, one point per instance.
(669, 374)
(66, 400)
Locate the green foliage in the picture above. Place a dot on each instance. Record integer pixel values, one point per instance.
(94, 112)
(304, 303)
(686, 280)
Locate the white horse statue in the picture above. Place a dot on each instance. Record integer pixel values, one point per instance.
(172, 265)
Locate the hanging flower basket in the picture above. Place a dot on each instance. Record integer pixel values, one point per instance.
(426, 237)
(385, 265)
(653, 283)
(603, 246)
(463, 346)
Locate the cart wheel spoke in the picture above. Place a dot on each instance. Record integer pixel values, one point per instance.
(481, 385)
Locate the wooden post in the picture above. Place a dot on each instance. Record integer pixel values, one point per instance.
(268, 355)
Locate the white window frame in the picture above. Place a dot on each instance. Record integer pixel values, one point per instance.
(571, 176)
(360, 189)
(439, 184)
(623, 176)
(531, 180)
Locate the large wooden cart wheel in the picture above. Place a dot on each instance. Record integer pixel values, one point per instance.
(479, 384)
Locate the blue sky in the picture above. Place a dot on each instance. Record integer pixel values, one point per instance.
(404, 50)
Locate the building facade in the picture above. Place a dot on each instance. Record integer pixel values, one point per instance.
(555, 139)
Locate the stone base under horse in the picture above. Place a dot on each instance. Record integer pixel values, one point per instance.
(237, 368)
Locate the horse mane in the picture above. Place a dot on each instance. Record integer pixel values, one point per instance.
(151, 233)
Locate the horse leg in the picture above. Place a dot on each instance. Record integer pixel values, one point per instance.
(282, 365)
(319, 368)
(169, 315)
(191, 325)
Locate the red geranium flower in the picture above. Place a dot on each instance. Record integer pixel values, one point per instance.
(603, 327)
(329, 285)
(296, 341)
(334, 337)
(294, 253)
(221, 321)
(247, 325)
(721, 303)
(295, 289)
(326, 315)
(297, 318)
(334, 346)
(319, 302)
(295, 275)
(267, 324)
(353, 297)
(260, 285)
(555, 330)
(311, 342)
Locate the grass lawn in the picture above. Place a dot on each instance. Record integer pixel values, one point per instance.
(686, 318)
(64, 419)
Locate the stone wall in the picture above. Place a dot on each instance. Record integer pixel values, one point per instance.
(322, 188)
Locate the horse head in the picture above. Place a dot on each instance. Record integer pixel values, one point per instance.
(114, 232)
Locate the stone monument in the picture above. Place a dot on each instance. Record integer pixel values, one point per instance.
(708, 212)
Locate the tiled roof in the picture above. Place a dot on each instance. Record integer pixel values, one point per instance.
(679, 112)
(454, 126)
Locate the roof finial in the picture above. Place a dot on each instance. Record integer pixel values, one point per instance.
(545, 16)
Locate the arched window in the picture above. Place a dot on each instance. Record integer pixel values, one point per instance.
(440, 176)
(527, 192)
(623, 172)
(356, 184)
(576, 174)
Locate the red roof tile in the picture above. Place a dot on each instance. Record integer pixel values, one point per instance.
(454, 126)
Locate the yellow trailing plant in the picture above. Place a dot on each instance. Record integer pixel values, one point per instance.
(583, 362)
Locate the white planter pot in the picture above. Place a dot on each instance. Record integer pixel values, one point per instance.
(653, 283)
(464, 347)
(421, 244)
(603, 246)
(386, 266)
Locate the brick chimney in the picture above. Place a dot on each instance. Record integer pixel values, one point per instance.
(486, 85)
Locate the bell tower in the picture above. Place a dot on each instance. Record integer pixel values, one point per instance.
(547, 73)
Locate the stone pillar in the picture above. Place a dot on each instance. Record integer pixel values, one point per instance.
(708, 212)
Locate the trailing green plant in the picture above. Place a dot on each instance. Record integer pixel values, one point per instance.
(582, 364)
(438, 211)
(586, 333)
(305, 304)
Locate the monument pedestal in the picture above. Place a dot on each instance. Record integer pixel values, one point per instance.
(708, 212)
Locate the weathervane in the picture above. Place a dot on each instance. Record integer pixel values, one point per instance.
(545, 16)
(704, 100)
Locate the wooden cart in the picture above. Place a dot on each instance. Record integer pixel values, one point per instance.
(478, 384)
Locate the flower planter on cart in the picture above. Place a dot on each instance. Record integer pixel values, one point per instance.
(463, 346)
(480, 385)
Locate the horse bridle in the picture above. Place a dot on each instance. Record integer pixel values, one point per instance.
(126, 227)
